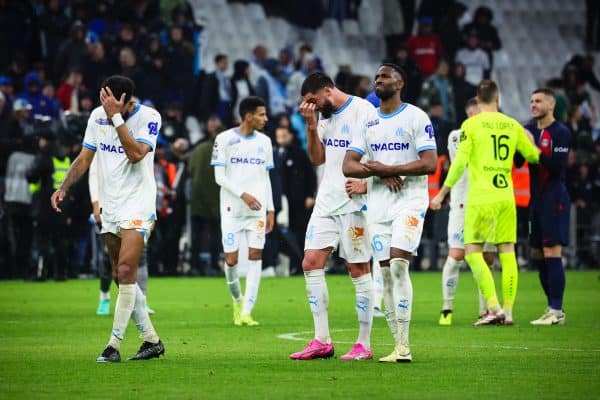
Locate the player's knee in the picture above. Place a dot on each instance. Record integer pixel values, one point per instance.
(358, 270)
(255, 254)
(398, 253)
(231, 259)
(310, 263)
(489, 258)
(552, 252)
(537, 254)
(126, 273)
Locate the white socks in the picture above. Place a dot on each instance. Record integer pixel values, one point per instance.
(318, 299)
(482, 303)
(364, 308)
(142, 319)
(450, 274)
(252, 284)
(403, 297)
(123, 310)
(377, 284)
(233, 282)
(104, 295)
(388, 301)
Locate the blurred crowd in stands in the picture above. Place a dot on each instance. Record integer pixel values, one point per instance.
(56, 53)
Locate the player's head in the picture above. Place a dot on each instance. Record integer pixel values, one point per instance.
(253, 112)
(389, 81)
(542, 103)
(317, 89)
(118, 85)
(487, 92)
(472, 107)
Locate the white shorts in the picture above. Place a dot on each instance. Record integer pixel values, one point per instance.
(403, 233)
(144, 227)
(253, 229)
(456, 231)
(348, 231)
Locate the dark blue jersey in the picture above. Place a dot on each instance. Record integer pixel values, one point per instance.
(548, 177)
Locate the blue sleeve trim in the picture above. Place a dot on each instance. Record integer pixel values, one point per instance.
(89, 146)
(217, 164)
(145, 141)
(356, 150)
(270, 167)
(430, 147)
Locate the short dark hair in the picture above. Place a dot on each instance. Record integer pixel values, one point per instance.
(487, 90)
(120, 84)
(219, 58)
(250, 104)
(396, 68)
(545, 90)
(315, 82)
(472, 102)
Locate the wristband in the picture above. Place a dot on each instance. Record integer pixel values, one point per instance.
(117, 120)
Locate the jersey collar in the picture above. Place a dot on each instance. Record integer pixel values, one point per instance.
(240, 134)
(343, 107)
(393, 113)
(135, 110)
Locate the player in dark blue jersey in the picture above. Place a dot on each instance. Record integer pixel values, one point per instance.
(550, 203)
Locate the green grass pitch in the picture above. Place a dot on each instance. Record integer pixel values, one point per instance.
(50, 338)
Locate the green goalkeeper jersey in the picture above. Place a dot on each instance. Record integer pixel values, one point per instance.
(487, 144)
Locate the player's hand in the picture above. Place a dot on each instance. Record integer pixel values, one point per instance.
(309, 202)
(530, 136)
(394, 183)
(110, 104)
(251, 201)
(436, 203)
(376, 168)
(270, 221)
(57, 197)
(309, 113)
(355, 187)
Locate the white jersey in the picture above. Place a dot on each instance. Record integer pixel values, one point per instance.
(127, 190)
(395, 139)
(336, 134)
(247, 161)
(458, 193)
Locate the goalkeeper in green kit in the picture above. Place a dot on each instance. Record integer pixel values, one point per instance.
(487, 145)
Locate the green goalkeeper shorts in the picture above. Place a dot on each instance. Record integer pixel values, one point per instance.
(493, 222)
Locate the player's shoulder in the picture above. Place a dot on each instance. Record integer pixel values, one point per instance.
(226, 136)
(454, 135)
(531, 126)
(98, 118)
(262, 137)
(559, 128)
(415, 112)
(149, 112)
(362, 104)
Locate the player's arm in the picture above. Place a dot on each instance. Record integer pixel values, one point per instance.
(314, 146)
(352, 167)
(556, 161)
(270, 206)
(457, 168)
(526, 147)
(426, 164)
(76, 171)
(134, 150)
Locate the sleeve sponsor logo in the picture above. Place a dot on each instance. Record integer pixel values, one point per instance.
(153, 128)
(372, 123)
(102, 121)
(429, 131)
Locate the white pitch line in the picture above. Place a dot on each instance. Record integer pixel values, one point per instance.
(300, 337)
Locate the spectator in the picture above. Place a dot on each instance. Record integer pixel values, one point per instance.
(240, 87)
(285, 65)
(179, 66)
(173, 126)
(6, 88)
(68, 92)
(72, 51)
(125, 39)
(257, 63)
(489, 40)
(299, 186)
(584, 65)
(129, 66)
(295, 82)
(425, 48)
(4, 111)
(361, 86)
(437, 89)
(97, 68)
(449, 30)
(463, 91)
(41, 105)
(206, 228)
(475, 59)
(412, 88)
(216, 92)
(269, 89)
(54, 24)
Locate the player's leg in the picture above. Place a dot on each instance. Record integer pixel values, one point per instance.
(537, 254)
(489, 255)
(453, 264)
(506, 236)
(255, 237)
(354, 248)
(133, 242)
(377, 288)
(554, 229)
(321, 238)
(105, 272)
(231, 242)
(142, 277)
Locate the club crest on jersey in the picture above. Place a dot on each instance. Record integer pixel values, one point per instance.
(400, 132)
(261, 150)
(429, 131)
(463, 136)
(345, 129)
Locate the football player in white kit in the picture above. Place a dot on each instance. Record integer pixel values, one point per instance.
(337, 218)
(456, 224)
(242, 158)
(123, 135)
(401, 151)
